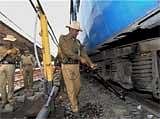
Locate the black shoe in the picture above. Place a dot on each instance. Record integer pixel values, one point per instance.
(2, 105)
(76, 114)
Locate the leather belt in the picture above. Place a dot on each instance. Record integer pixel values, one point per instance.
(71, 62)
(6, 62)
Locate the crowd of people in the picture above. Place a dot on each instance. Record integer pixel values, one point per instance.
(71, 54)
(9, 55)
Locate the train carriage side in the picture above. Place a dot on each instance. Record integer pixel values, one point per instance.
(125, 36)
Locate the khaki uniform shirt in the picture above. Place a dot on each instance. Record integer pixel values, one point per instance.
(3, 50)
(71, 48)
(11, 56)
(27, 60)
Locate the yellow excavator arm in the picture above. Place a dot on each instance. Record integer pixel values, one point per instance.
(48, 69)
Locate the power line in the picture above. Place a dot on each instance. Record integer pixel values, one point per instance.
(41, 8)
(52, 37)
(15, 24)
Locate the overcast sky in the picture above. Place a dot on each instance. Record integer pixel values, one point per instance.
(22, 14)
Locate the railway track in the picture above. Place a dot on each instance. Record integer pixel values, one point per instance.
(131, 98)
(148, 104)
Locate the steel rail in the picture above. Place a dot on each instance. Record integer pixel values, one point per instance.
(148, 105)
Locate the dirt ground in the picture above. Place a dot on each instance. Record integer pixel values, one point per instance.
(95, 102)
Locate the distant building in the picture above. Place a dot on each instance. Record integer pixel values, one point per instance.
(21, 42)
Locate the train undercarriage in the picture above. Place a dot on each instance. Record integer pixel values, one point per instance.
(134, 65)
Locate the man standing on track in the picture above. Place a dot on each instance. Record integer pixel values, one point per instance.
(27, 65)
(72, 54)
(8, 54)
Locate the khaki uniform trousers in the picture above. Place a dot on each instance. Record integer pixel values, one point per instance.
(7, 77)
(71, 75)
(28, 76)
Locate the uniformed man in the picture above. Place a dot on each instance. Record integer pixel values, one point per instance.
(72, 53)
(27, 65)
(8, 54)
